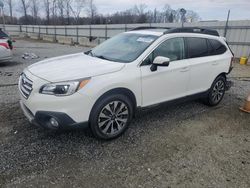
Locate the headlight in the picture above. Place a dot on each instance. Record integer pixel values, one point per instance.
(63, 88)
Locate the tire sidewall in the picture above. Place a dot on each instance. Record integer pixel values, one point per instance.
(97, 109)
(210, 101)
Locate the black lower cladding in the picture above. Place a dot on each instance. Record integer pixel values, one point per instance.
(42, 118)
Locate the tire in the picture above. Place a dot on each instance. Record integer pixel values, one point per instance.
(111, 116)
(216, 92)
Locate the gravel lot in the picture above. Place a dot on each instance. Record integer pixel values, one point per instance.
(184, 145)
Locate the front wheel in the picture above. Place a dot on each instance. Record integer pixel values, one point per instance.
(216, 92)
(111, 116)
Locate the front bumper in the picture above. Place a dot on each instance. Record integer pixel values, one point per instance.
(42, 119)
(77, 106)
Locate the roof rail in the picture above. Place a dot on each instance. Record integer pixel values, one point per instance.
(148, 27)
(182, 30)
(193, 30)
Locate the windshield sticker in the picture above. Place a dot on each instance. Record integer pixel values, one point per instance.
(145, 39)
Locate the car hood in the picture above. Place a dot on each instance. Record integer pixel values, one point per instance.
(72, 67)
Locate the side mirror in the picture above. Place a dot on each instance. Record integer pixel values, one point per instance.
(160, 61)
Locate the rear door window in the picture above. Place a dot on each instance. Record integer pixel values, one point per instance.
(197, 47)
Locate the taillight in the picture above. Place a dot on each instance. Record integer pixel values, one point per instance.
(6, 45)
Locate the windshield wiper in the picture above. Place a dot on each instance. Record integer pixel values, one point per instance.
(102, 57)
(89, 53)
(98, 56)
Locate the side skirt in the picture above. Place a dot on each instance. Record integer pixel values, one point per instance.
(177, 101)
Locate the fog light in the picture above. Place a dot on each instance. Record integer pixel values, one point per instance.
(54, 122)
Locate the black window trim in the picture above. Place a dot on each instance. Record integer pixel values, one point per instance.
(207, 41)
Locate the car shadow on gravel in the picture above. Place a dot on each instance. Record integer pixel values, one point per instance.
(9, 64)
(161, 115)
(27, 149)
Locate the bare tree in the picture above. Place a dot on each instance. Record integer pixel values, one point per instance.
(54, 8)
(60, 7)
(140, 9)
(47, 4)
(10, 6)
(25, 7)
(34, 10)
(64, 8)
(177, 15)
(139, 13)
(78, 7)
(155, 15)
(167, 11)
(68, 10)
(192, 16)
(91, 10)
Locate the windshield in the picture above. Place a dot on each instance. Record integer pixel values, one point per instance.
(124, 48)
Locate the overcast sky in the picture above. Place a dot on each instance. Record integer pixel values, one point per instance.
(207, 9)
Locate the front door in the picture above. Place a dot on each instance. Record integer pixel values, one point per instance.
(166, 83)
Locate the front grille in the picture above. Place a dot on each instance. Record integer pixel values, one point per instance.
(25, 86)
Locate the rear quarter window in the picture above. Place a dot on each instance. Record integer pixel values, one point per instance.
(217, 47)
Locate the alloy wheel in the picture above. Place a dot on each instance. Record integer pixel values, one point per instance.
(218, 91)
(113, 118)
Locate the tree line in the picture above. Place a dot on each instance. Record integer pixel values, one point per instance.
(81, 12)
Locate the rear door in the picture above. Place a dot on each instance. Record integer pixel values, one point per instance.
(222, 57)
(5, 52)
(201, 65)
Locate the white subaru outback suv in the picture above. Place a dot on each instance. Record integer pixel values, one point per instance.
(102, 88)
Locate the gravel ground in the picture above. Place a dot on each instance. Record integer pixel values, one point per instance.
(184, 145)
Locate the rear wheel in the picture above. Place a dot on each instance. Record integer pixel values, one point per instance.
(111, 116)
(216, 92)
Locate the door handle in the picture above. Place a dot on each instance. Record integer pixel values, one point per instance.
(215, 63)
(184, 69)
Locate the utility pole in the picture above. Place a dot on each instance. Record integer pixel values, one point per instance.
(226, 27)
(183, 18)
